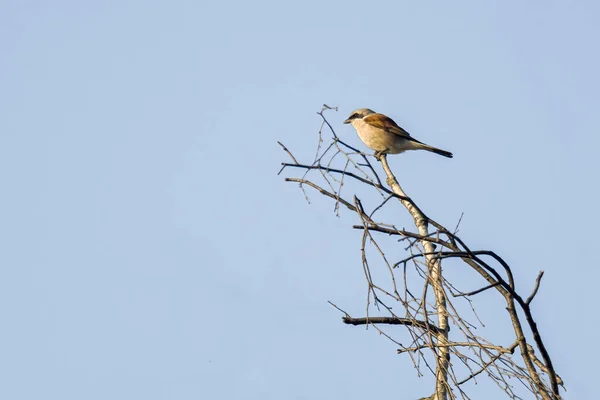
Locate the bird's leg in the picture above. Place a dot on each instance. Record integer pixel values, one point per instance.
(379, 153)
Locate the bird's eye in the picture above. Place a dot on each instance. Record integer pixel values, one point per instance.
(355, 115)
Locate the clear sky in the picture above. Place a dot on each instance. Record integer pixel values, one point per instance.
(150, 251)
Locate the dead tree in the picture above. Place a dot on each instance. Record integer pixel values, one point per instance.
(436, 312)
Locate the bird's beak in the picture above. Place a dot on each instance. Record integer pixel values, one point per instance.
(347, 121)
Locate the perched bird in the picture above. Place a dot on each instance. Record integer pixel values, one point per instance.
(383, 135)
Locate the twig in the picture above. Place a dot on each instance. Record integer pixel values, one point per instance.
(322, 191)
(535, 289)
(493, 360)
(289, 153)
(347, 315)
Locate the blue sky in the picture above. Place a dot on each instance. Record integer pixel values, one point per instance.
(149, 250)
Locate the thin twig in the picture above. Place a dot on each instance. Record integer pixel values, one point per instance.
(535, 289)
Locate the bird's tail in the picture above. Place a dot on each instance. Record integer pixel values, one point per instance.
(435, 150)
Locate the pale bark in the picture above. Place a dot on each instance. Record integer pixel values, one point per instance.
(434, 267)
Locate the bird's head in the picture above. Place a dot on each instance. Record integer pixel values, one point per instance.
(358, 114)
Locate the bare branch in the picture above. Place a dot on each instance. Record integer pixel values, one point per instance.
(483, 289)
(377, 228)
(421, 253)
(321, 190)
(390, 321)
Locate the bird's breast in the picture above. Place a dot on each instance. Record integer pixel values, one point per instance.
(378, 139)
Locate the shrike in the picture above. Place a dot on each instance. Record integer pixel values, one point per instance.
(383, 135)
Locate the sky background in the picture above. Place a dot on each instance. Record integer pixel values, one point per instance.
(149, 250)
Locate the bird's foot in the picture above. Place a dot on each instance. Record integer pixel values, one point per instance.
(380, 153)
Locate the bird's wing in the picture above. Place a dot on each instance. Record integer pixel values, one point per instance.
(387, 124)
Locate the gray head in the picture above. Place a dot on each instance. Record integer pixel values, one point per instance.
(359, 114)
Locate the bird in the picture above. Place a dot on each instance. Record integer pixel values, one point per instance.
(382, 134)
